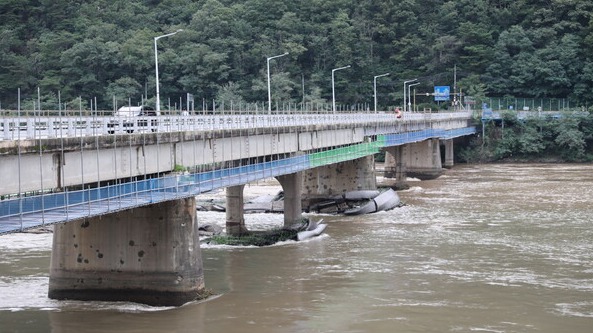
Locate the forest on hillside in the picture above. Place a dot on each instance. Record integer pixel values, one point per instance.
(104, 49)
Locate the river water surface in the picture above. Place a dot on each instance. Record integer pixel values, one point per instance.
(483, 248)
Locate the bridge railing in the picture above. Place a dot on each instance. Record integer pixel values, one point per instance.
(21, 128)
(530, 104)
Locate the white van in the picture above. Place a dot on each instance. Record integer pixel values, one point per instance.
(128, 123)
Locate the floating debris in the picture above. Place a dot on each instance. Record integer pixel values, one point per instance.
(297, 232)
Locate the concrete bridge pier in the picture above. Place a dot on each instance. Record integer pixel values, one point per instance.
(336, 179)
(235, 212)
(424, 159)
(395, 164)
(390, 164)
(448, 153)
(292, 185)
(147, 255)
(235, 219)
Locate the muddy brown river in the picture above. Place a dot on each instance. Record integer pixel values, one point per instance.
(483, 248)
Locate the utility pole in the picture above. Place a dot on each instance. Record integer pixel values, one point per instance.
(455, 87)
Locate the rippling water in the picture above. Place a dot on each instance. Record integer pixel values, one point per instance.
(484, 248)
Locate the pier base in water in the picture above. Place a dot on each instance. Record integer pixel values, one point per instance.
(148, 255)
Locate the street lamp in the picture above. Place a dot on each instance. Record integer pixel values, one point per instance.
(405, 99)
(156, 66)
(375, 88)
(410, 95)
(269, 93)
(333, 88)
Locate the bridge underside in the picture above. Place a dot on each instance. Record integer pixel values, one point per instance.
(291, 186)
(420, 160)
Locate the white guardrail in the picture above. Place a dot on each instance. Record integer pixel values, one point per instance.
(26, 128)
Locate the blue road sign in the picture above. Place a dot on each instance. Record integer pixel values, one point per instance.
(441, 93)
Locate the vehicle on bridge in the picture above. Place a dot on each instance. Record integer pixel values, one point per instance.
(128, 116)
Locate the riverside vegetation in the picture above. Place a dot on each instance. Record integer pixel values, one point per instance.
(567, 138)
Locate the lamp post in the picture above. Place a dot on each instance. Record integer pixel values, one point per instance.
(375, 88)
(333, 88)
(269, 93)
(410, 95)
(405, 99)
(156, 66)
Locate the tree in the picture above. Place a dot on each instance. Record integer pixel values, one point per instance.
(522, 47)
(229, 93)
(124, 89)
(569, 139)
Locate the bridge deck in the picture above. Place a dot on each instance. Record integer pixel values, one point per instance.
(25, 212)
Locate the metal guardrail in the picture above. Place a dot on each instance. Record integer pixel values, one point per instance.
(529, 104)
(23, 128)
(489, 114)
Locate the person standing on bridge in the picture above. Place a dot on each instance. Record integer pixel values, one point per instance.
(398, 112)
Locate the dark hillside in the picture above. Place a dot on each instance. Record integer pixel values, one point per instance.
(105, 49)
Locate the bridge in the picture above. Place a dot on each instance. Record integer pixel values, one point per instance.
(489, 114)
(121, 191)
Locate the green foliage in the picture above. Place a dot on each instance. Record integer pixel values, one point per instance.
(570, 140)
(255, 238)
(261, 238)
(102, 49)
(472, 86)
(566, 138)
(179, 168)
(229, 93)
(123, 88)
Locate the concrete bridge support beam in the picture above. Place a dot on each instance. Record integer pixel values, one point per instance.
(336, 179)
(448, 153)
(424, 159)
(390, 164)
(395, 164)
(292, 185)
(235, 219)
(401, 169)
(148, 255)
